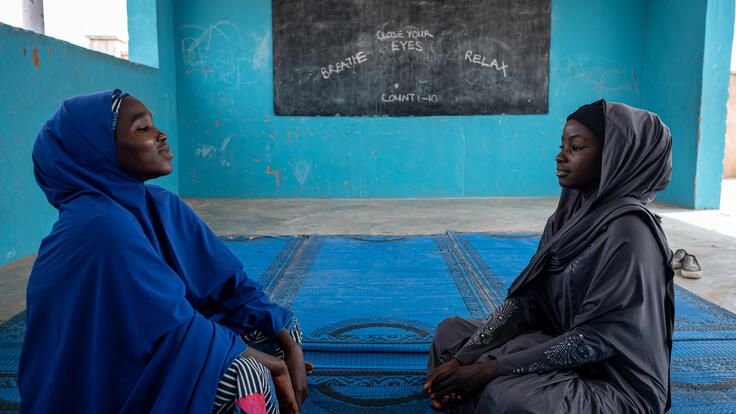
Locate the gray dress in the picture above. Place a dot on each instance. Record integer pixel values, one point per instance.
(587, 326)
(588, 339)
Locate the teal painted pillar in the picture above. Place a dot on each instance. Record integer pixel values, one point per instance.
(719, 23)
(143, 32)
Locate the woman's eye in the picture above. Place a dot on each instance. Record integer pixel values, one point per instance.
(143, 129)
(562, 147)
(576, 148)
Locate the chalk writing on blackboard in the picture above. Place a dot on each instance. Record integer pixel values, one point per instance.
(404, 40)
(410, 57)
(481, 60)
(408, 97)
(347, 63)
(411, 34)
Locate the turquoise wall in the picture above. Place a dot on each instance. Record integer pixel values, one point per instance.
(232, 145)
(37, 73)
(687, 73)
(673, 62)
(716, 75)
(206, 74)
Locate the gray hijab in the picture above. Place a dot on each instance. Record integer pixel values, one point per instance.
(636, 165)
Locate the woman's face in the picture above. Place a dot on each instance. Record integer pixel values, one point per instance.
(579, 160)
(142, 148)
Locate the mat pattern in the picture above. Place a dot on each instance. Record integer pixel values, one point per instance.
(368, 306)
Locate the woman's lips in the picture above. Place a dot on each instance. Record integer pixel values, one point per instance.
(166, 152)
(562, 173)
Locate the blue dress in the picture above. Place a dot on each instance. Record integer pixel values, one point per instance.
(134, 305)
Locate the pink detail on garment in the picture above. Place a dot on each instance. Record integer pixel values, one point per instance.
(252, 404)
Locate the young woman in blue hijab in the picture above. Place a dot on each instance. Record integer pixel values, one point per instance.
(587, 325)
(134, 305)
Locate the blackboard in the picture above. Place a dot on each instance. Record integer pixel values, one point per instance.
(410, 57)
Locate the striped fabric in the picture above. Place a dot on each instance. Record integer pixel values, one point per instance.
(246, 379)
(117, 98)
(263, 343)
(247, 386)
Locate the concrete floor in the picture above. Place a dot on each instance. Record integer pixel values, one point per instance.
(709, 235)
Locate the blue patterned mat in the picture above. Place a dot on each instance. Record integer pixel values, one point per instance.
(372, 293)
(368, 307)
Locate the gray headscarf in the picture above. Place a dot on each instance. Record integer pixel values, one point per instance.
(636, 165)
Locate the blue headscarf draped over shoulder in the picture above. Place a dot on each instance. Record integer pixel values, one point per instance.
(134, 305)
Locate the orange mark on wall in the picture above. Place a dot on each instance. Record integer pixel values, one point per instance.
(206, 70)
(256, 160)
(35, 58)
(345, 182)
(49, 53)
(217, 123)
(266, 119)
(188, 72)
(278, 175)
(272, 135)
(193, 174)
(24, 52)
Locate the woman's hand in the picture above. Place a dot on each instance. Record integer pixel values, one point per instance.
(463, 381)
(281, 379)
(447, 366)
(294, 359)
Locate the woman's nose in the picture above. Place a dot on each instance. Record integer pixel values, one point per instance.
(162, 136)
(560, 157)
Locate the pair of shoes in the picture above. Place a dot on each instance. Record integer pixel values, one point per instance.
(687, 263)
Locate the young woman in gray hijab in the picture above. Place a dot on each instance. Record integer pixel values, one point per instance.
(587, 325)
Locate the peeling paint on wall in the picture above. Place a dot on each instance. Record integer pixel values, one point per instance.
(35, 58)
(226, 141)
(262, 54)
(206, 151)
(209, 150)
(302, 169)
(278, 175)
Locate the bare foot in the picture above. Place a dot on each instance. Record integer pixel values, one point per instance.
(309, 367)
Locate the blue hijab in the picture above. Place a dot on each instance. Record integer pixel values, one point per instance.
(134, 305)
